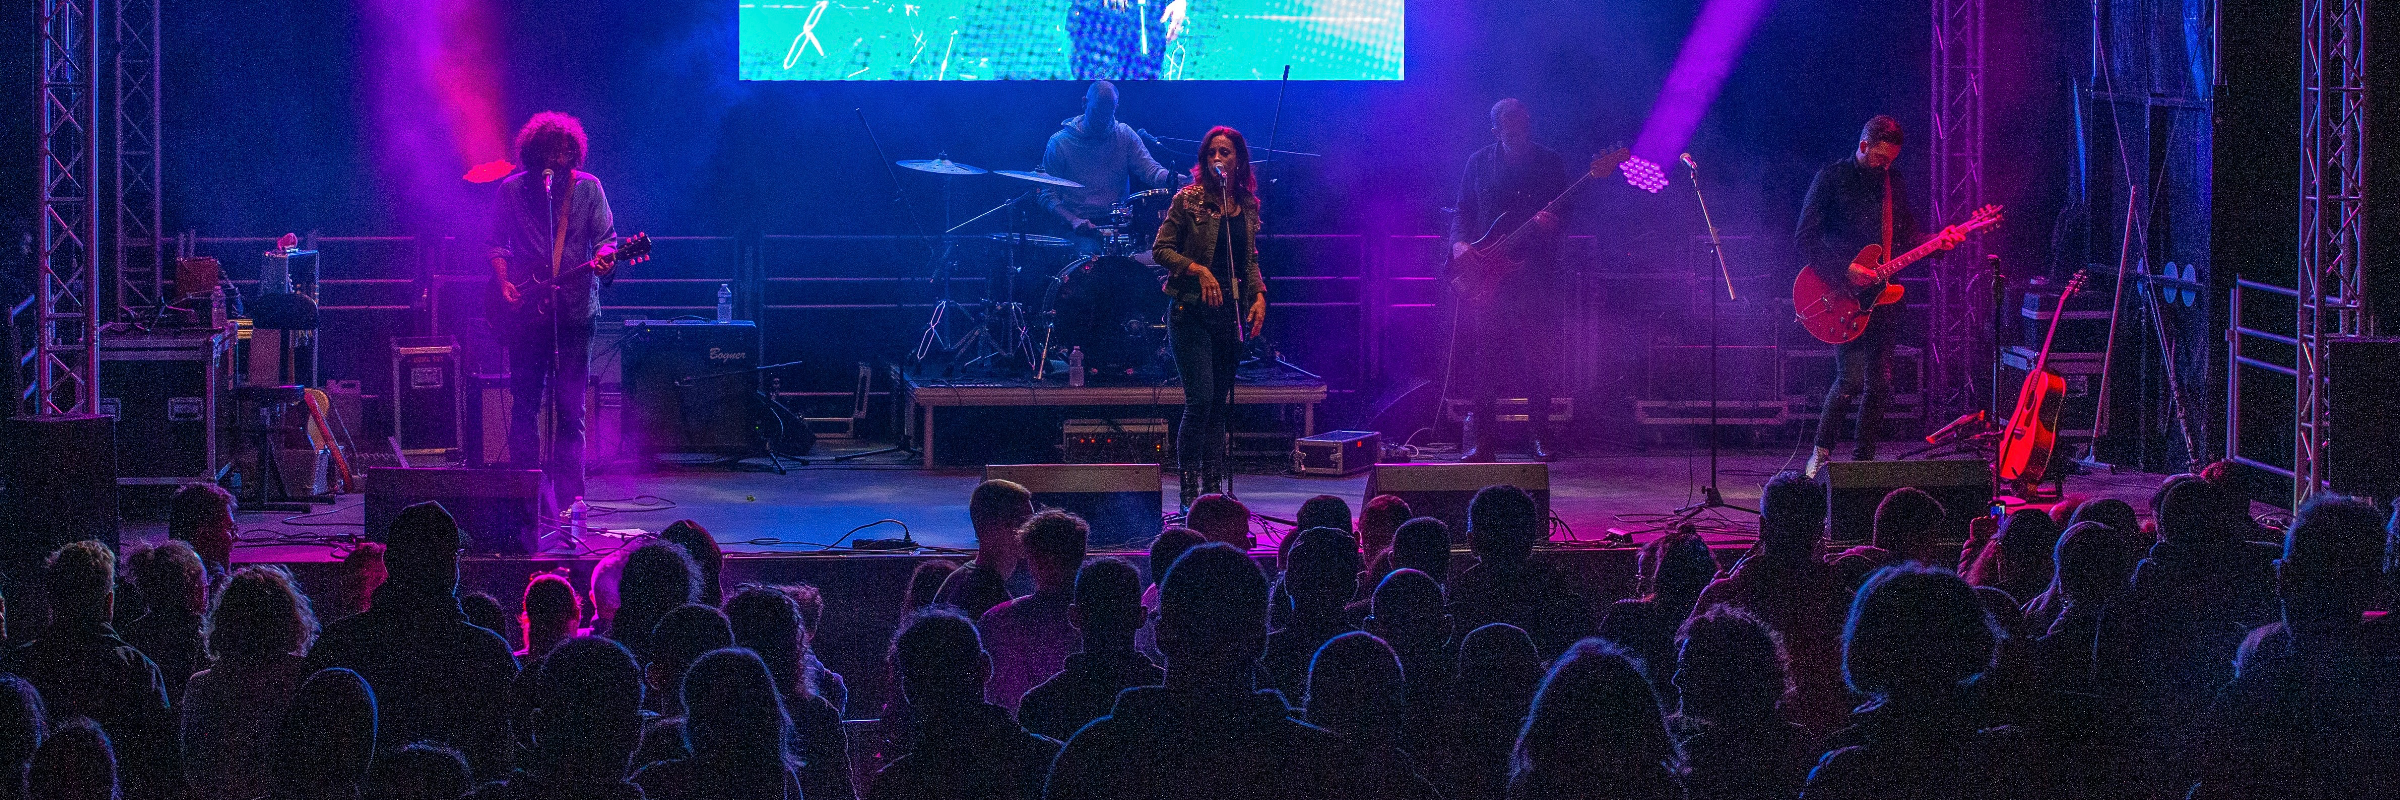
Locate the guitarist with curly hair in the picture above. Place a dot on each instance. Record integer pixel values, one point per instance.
(551, 219)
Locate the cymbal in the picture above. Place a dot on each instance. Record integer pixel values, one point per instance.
(1029, 240)
(941, 166)
(1038, 176)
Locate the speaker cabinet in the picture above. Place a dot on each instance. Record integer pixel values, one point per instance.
(1962, 485)
(688, 387)
(62, 480)
(501, 510)
(427, 400)
(1443, 491)
(1123, 502)
(164, 389)
(2363, 452)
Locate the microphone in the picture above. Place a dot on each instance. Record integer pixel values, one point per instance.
(1688, 162)
(1220, 168)
(548, 193)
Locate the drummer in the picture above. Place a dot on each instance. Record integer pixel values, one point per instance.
(1104, 155)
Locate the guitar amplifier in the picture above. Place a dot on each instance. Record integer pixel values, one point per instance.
(688, 387)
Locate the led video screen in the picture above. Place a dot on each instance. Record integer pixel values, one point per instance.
(983, 40)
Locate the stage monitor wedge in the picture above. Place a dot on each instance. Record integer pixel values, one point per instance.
(1124, 503)
(500, 510)
(1443, 491)
(1962, 485)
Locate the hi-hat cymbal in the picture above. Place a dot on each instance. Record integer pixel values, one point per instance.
(941, 166)
(1038, 176)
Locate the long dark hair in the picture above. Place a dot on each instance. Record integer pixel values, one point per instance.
(1244, 180)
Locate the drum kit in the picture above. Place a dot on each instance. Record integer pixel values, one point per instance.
(1100, 296)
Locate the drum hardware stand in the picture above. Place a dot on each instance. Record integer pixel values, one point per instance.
(1710, 497)
(775, 459)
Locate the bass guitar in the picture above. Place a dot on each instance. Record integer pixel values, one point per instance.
(533, 294)
(1495, 256)
(1837, 312)
(2032, 432)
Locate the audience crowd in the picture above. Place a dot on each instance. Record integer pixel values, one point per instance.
(2074, 653)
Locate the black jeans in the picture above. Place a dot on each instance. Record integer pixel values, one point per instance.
(1860, 366)
(1207, 351)
(531, 370)
(1517, 338)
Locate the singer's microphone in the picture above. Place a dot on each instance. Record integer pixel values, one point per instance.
(1687, 161)
(1220, 168)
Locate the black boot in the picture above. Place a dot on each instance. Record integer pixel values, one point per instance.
(1479, 450)
(1189, 490)
(1540, 417)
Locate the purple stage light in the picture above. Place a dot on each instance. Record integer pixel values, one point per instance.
(1708, 56)
(1644, 174)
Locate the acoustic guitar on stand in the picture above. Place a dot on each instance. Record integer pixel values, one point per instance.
(2032, 432)
(1495, 256)
(1837, 312)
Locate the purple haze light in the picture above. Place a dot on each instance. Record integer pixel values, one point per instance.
(1708, 55)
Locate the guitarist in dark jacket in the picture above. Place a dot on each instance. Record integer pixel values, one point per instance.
(1515, 330)
(1844, 212)
(551, 218)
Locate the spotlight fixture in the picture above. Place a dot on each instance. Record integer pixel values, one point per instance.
(1644, 174)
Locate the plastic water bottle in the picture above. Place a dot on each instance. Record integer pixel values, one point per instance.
(216, 308)
(1075, 367)
(724, 302)
(579, 519)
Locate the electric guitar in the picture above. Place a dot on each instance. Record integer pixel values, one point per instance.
(1489, 259)
(533, 295)
(2032, 432)
(1837, 312)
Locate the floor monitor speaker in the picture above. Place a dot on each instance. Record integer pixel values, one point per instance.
(1123, 502)
(1443, 491)
(500, 510)
(1962, 485)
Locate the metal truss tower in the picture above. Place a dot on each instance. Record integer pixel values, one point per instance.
(1956, 156)
(137, 257)
(62, 363)
(2333, 206)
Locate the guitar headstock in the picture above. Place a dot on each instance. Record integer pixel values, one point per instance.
(1605, 163)
(1984, 217)
(633, 251)
(2074, 284)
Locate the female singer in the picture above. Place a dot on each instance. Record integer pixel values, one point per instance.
(1209, 246)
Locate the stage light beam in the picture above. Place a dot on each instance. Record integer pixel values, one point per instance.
(1708, 55)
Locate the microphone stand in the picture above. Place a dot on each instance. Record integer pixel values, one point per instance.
(1710, 497)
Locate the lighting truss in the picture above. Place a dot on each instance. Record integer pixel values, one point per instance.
(2333, 199)
(62, 363)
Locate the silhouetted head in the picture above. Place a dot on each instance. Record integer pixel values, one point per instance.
(658, 577)
(998, 509)
(552, 612)
(2117, 514)
(81, 579)
(1108, 601)
(2189, 511)
(1099, 108)
(22, 726)
(1791, 517)
(1676, 566)
(940, 660)
(258, 615)
(75, 763)
(732, 711)
(1324, 511)
(421, 549)
(678, 640)
(1054, 543)
(1729, 666)
(171, 578)
(767, 622)
(925, 583)
(707, 556)
(484, 611)
(1379, 522)
(2026, 544)
(1212, 614)
(1409, 611)
(1171, 544)
(1506, 667)
(420, 771)
(588, 710)
(1916, 632)
(2332, 563)
(1908, 521)
(1504, 523)
(2094, 563)
(1595, 723)
(327, 740)
(202, 514)
(1355, 689)
(1322, 572)
(1222, 519)
(1423, 544)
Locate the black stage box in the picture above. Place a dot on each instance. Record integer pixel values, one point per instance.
(1962, 485)
(1443, 491)
(62, 487)
(688, 387)
(500, 510)
(164, 390)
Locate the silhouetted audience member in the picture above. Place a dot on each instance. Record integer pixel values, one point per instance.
(924, 584)
(681, 638)
(1506, 584)
(1355, 689)
(1378, 524)
(2093, 566)
(965, 747)
(259, 627)
(737, 734)
(484, 611)
(1323, 573)
(2117, 514)
(766, 621)
(22, 726)
(1595, 731)
(822, 680)
(1410, 614)
(201, 515)
(1207, 732)
(2018, 560)
(1029, 637)
(420, 771)
(1106, 612)
(659, 576)
(326, 744)
(1916, 641)
(707, 556)
(587, 697)
(1908, 525)
(83, 669)
(1171, 544)
(1670, 572)
(361, 572)
(174, 582)
(2313, 710)
(998, 509)
(76, 762)
(552, 614)
(1321, 511)
(1785, 584)
(1483, 715)
(1423, 544)
(436, 676)
(1730, 676)
(1222, 519)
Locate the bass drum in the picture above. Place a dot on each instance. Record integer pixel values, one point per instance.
(1110, 306)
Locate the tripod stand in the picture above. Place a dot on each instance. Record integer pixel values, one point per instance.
(1710, 497)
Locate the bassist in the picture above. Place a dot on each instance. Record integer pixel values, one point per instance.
(1514, 329)
(551, 218)
(1855, 202)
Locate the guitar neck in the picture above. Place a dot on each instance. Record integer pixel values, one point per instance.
(1901, 262)
(1551, 207)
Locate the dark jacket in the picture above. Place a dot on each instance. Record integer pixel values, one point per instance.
(172, 641)
(2304, 723)
(1844, 212)
(1765, 759)
(1293, 647)
(974, 589)
(1170, 743)
(1188, 240)
(975, 754)
(86, 670)
(1943, 751)
(1533, 595)
(435, 675)
(1086, 690)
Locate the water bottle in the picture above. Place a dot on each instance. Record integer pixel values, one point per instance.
(579, 519)
(1075, 367)
(724, 303)
(216, 308)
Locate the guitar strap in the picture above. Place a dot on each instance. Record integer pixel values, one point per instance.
(1887, 213)
(558, 224)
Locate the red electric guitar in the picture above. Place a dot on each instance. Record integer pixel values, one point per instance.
(2032, 432)
(1838, 312)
